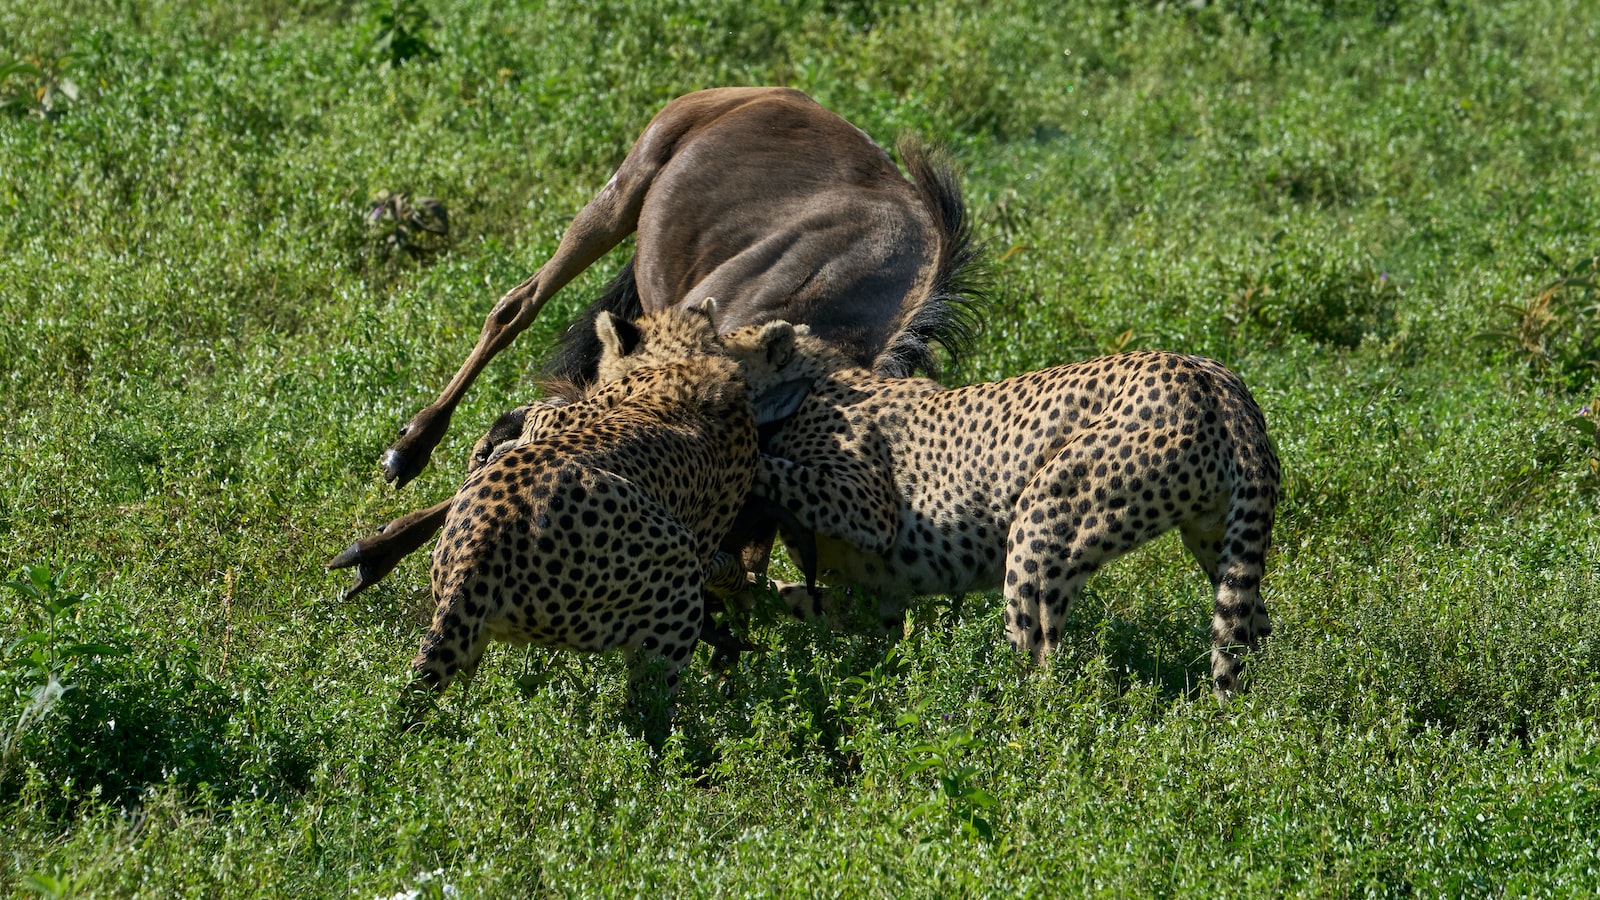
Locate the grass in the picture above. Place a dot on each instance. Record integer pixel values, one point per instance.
(1382, 215)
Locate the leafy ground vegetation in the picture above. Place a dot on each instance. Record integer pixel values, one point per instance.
(241, 243)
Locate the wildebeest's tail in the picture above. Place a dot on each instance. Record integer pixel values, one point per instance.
(577, 356)
(948, 314)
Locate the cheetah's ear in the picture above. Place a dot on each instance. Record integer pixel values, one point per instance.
(776, 340)
(708, 308)
(780, 401)
(619, 337)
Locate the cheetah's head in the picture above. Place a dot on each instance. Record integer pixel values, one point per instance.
(780, 362)
(660, 338)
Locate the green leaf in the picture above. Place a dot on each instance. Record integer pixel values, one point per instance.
(530, 682)
(32, 637)
(94, 650)
(980, 798)
(61, 603)
(25, 589)
(18, 67)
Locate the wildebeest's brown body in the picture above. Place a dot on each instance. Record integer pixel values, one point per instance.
(764, 200)
(758, 197)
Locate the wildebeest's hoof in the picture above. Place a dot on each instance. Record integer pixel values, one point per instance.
(392, 464)
(376, 555)
(407, 457)
(399, 469)
(371, 564)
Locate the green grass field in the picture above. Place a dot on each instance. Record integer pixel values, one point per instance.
(1384, 215)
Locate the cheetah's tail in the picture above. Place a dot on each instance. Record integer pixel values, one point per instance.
(1239, 619)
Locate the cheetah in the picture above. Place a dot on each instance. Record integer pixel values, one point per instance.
(597, 526)
(1031, 484)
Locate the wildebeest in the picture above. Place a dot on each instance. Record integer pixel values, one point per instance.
(764, 200)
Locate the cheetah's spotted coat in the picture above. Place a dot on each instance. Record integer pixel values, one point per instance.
(596, 526)
(1031, 484)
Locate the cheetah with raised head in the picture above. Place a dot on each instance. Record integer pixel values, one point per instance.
(597, 526)
(1031, 483)
(667, 339)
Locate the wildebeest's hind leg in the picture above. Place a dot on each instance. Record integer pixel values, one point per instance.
(612, 215)
(376, 555)
(577, 356)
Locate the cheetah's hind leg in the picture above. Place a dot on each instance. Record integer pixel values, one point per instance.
(667, 621)
(1067, 527)
(450, 651)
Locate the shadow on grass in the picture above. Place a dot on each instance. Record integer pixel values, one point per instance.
(811, 690)
(131, 723)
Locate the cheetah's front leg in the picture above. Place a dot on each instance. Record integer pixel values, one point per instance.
(452, 648)
(851, 501)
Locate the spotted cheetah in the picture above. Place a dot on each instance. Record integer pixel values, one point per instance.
(1031, 484)
(597, 526)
